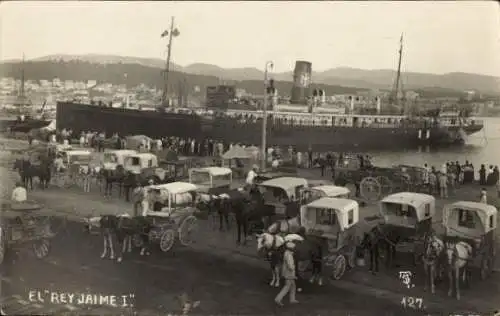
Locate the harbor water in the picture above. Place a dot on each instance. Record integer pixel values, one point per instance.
(481, 148)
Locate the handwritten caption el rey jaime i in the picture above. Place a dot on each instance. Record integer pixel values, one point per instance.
(88, 299)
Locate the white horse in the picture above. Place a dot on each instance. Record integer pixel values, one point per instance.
(458, 255)
(290, 226)
(432, 253)
(273, 246)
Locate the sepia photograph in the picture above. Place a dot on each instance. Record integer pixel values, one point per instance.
(249, 158)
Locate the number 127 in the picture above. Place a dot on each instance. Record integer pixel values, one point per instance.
(412, 302)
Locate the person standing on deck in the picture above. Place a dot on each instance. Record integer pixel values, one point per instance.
(288, 271)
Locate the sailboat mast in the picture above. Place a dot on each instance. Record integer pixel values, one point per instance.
(398, 73)
(167, 66)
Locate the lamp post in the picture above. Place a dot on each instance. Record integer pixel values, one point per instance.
(268, 67)
(173, 32)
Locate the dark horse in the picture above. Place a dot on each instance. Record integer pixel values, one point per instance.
(377, 240)
(124, 228)
(27, 171)
(113, 176)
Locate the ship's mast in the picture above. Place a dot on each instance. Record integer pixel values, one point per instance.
(397, 82)
(21, 91)
(173, 32)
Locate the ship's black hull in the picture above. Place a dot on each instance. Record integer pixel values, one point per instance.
(22, 126)
(80, 117)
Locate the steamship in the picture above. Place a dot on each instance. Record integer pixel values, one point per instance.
(302, 124)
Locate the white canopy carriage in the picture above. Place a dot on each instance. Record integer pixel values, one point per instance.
(211, 177)
(137, 162)
(177, 217)
(474, 223)
(278, 191)
(72, 157)
(317, 192)
(334, 220)
(283, 188)
(408, 209)
(408, 216)
(111, 159)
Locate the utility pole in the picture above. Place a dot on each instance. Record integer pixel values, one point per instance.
(269, 66)
(173, 32)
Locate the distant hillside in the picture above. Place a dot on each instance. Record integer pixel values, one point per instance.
(136, 74)
(340, 76)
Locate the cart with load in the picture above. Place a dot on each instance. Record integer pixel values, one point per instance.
(332, 223)
(407, 218)
(373, 182)
(24, 224)
(474, 223)
(173, 215)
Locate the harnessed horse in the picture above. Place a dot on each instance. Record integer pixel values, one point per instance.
(27, 171)
(272, 248)
(458, 255)
(123, 227)
(113, 176)
(433, 250)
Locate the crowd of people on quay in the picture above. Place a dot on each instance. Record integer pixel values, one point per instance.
(439, 180)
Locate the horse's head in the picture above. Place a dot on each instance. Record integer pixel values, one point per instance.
(267, 242)
(18, 164)
(433, 246)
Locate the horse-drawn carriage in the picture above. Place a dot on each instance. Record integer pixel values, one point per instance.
(282, 194)
(407, 218)
(69, 172)
(474, 224)
(209, 178)
(23, 223)
(113, 158)
(374, 182)
(173, 214)
(316, 192)
(332, 222)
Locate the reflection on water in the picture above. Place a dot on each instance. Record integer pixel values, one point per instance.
(481, 148)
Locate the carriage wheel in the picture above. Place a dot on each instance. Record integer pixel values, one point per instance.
(41, 248)
(167, 240)
(186, 230)
(386, 186)
(137, 241)
(370, 189)
(3, 244)
(339, 267)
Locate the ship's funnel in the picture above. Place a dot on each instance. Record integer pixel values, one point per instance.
(378, 105)
(301, 82)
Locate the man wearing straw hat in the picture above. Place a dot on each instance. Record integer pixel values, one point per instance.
(289, 274)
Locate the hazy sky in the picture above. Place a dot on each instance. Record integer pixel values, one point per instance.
(439, 36)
